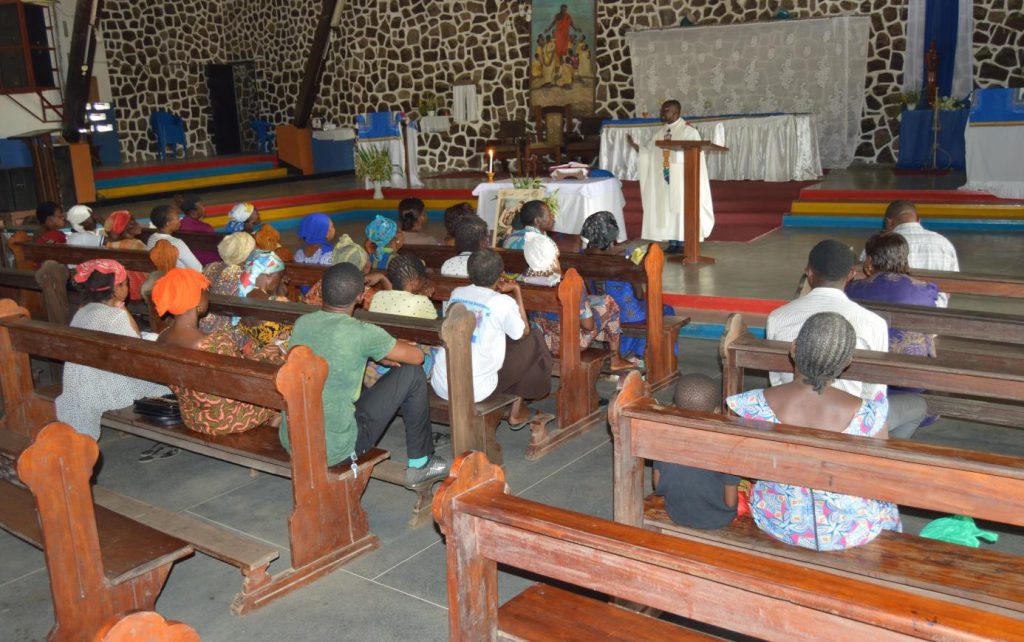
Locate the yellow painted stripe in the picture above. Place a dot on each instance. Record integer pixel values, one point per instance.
(191, 183)
(938, 210)
(386, 206)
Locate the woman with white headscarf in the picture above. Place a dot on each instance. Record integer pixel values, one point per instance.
(87, 230)
(244, 217)
(599, 314)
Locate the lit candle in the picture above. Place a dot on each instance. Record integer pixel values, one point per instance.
(490, 162)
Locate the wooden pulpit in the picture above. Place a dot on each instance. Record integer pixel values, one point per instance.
(691, 150)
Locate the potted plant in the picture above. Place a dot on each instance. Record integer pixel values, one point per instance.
(910, 99)
(428, 104)
(374, 164)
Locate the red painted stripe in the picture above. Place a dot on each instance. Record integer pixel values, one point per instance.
(341, 195)
(178, 166)
(887, 195)
(723, 303)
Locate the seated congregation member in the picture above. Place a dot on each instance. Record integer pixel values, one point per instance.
(225, 275)
(122, 231)
(347, 251)
(694, 497)
(86, 230)
(194, 210)
(829, 269)
(382, 241)
(317, 232)
(817, 519)
(244, 217)
(51, 221)
(471, 235)
(88, 392)
(412, 215)
(451, 220)
(268, 239)
(166, 221)
(888, 280)
(599, 314)
(535, 218)
(356, 419)
(410, 289)
(599, 232)
(507, 357)
(183, 293)
(928, 250)
(262, 278)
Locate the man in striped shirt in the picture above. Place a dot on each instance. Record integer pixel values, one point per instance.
(829, 269)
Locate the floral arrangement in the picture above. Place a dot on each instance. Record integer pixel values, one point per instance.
(948, 103)
(530, 182)
(909, 99)
(428, 103)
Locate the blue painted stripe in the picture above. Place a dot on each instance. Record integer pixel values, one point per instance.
(711, 331)
(166, 177)
(875, 223)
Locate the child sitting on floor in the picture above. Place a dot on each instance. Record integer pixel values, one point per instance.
(695, 497)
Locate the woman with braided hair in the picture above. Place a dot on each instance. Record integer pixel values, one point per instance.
(818, 519)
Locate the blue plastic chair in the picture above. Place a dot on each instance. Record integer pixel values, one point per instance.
(264, 135)
(169, 130)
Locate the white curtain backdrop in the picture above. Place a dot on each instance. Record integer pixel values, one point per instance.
(963, 65)
(813, 66)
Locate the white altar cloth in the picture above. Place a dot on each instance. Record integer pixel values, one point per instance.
(773, 148)
(994, 159)
(576, 201)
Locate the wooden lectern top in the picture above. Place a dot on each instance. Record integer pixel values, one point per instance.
(682, 145)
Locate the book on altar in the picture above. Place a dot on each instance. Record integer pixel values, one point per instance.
(570, 170)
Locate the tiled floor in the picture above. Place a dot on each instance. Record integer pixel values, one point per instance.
(398, 592)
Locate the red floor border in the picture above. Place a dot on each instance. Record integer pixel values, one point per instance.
(323, 197)
(888, 195)
(722, 303)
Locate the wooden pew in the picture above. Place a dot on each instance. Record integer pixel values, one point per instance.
(578, 370)
(737, 590)
(327, 527)
(100, 563)
(29, 255)
(991, 385)
(473, 424)
(1001, 285)
(951, 480)
(660, 331)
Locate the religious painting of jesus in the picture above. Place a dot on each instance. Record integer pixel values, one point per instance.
(562, 70)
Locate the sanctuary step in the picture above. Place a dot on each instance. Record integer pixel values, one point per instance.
(180, 176)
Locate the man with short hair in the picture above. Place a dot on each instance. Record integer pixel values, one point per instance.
(356, 419)
(165, 218)
(661, 176)
(928, 250)
(471, 235)
(829, 269)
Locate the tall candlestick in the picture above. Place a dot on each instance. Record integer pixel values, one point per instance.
(490, 162)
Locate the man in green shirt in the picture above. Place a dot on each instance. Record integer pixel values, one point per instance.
(355, 419)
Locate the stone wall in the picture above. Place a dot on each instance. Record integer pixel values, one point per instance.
(388, 52)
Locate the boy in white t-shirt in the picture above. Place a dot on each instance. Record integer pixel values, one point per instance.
(507, 357)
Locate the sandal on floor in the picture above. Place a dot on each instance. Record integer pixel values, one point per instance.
(535, 415)
(159, 451)
(441, 439)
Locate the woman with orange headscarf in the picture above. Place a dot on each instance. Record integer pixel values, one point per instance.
(183, 293)
(122, 232)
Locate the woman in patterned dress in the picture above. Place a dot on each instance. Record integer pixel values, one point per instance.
(183, 293)
(817, 519)
(224, 275)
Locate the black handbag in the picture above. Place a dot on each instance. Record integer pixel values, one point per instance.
(162, 410)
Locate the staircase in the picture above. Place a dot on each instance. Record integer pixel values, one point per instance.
(182, 176)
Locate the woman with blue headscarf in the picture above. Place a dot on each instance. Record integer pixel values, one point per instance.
(316, 232)
(382, 240)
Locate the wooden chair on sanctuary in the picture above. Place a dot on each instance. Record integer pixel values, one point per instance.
(508, 144)
(551, 127)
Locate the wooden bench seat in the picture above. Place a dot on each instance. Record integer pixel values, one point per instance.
(999, 285)
(949, 480)
(100, 563)
(660, 331)
(327, 527)
(985, 388)
(771, 599)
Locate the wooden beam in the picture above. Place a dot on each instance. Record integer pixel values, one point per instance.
(80, 61)
(314, 66)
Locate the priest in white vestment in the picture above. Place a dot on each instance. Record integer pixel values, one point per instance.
(661, 183)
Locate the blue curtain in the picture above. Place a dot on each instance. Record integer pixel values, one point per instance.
(940, 25)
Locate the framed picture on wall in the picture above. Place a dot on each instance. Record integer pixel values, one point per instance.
(510, 201)
(562, 67)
